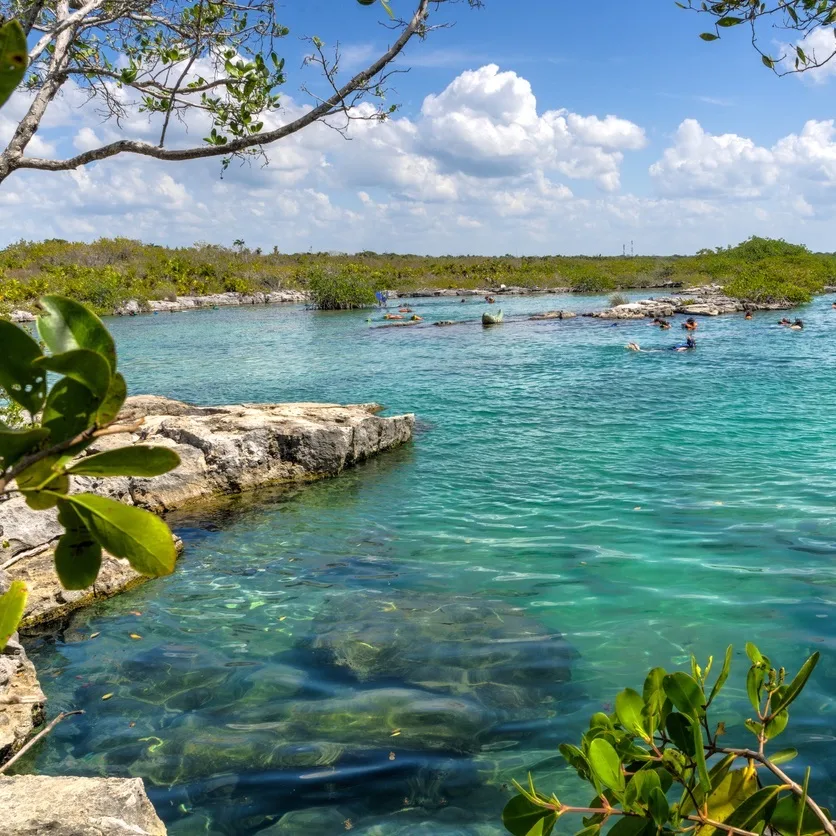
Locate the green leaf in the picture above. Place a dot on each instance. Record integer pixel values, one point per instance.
(717, 774)
(113, 401)
(521, 815)
(128, 532)
(12, 605)
(699, 757)
(684, 692)
(643, 783)
(658, 806)
(606, 764)
(137, 460)
(78, 557)
(768, 62)
(709, 36)
(575, 758)
(777, 724)
(729, 793)
(15, 444)
(69, 410)
(24, 382)
(724, 675)
(787, 813)
(679, 731)
(725, 22)
(632, 826)
(82, 365)
(756, 809)
(784, 756)
(754, 683)
(13, 58)
(68, 325)
(628, 708)
(592, 830)
(755, 656)
(797, 685)
(599, 720)
(44, 475)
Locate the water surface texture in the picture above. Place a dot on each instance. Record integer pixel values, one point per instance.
(384, 651)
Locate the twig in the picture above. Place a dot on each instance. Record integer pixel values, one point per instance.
(781, 775)
(37, 737)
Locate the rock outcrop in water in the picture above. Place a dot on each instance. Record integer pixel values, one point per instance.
(36, 805)
(224, 449)
(216, 300)
(706, 300)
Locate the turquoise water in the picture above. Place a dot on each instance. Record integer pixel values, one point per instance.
(386, 650)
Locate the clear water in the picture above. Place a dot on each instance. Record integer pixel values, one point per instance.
(384, 651)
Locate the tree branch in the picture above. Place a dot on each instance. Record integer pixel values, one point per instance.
(325, 108)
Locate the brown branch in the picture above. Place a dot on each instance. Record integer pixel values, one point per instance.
(243, 143)
(782, 776)
(87, 435)
(37, 737)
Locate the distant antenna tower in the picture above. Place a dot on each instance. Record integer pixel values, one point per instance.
(623, 249)
(631, 250)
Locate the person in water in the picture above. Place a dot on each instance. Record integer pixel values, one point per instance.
(798, 325)
(747, 315)
(690, 324)
(689, 344)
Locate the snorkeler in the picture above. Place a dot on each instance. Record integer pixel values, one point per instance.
(747, 315)
(690, 324)
(785, 321)
(798, 325)
(688, 345)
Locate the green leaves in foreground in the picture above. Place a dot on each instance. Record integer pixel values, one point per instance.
(648, 763)
(133, 533)
(12, 605)
(84, 401)
(13, 58)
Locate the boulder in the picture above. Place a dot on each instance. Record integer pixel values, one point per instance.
(35, 805)
(22, 316)
(554, 315)
(129, 308)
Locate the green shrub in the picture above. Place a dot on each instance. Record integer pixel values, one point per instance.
(658, 765)
(334, 289)
(617, 299)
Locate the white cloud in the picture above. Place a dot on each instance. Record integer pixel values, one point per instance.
(799, 165)
(820, 46)
(478, 168)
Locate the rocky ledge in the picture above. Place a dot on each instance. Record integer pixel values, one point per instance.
(215, 300)
(707, 300)
(224, 450)
(34, 805)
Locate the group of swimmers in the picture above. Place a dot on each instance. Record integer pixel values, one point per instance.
(798, 325)
(401, 311)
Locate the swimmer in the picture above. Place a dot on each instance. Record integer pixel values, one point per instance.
(798, 325)
(490, 300)
(785, 321)
(747, 315)
(463, 300)
(664, 324)
(404, 310)
(690, 324)
(688, 345)
(392, 316)
(416, 318)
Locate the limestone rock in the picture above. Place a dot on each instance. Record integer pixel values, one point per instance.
(35, 805)
(230, 299)
(21, 698)
(554, 315)
(224, 450)
(22, 316)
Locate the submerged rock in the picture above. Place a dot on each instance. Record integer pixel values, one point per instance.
(487, 651)
(35, 805)
(554, 315)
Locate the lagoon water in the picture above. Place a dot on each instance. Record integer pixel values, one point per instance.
(384, 651)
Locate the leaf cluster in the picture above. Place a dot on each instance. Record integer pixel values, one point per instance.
(656, 764)
(81, 404)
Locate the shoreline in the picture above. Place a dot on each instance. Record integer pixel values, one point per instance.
(707, 300)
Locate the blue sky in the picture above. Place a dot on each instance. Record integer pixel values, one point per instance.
(548, 128)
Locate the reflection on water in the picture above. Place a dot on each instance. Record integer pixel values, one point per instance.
(386, 650)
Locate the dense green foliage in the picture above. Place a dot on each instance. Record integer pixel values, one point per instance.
(657, 765)
(40, 454)
(341, 288)
(109, 272)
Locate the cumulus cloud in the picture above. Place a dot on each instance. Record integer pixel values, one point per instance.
(799, 165)
(479, 167)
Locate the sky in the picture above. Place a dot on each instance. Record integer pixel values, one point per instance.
(530, 128)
